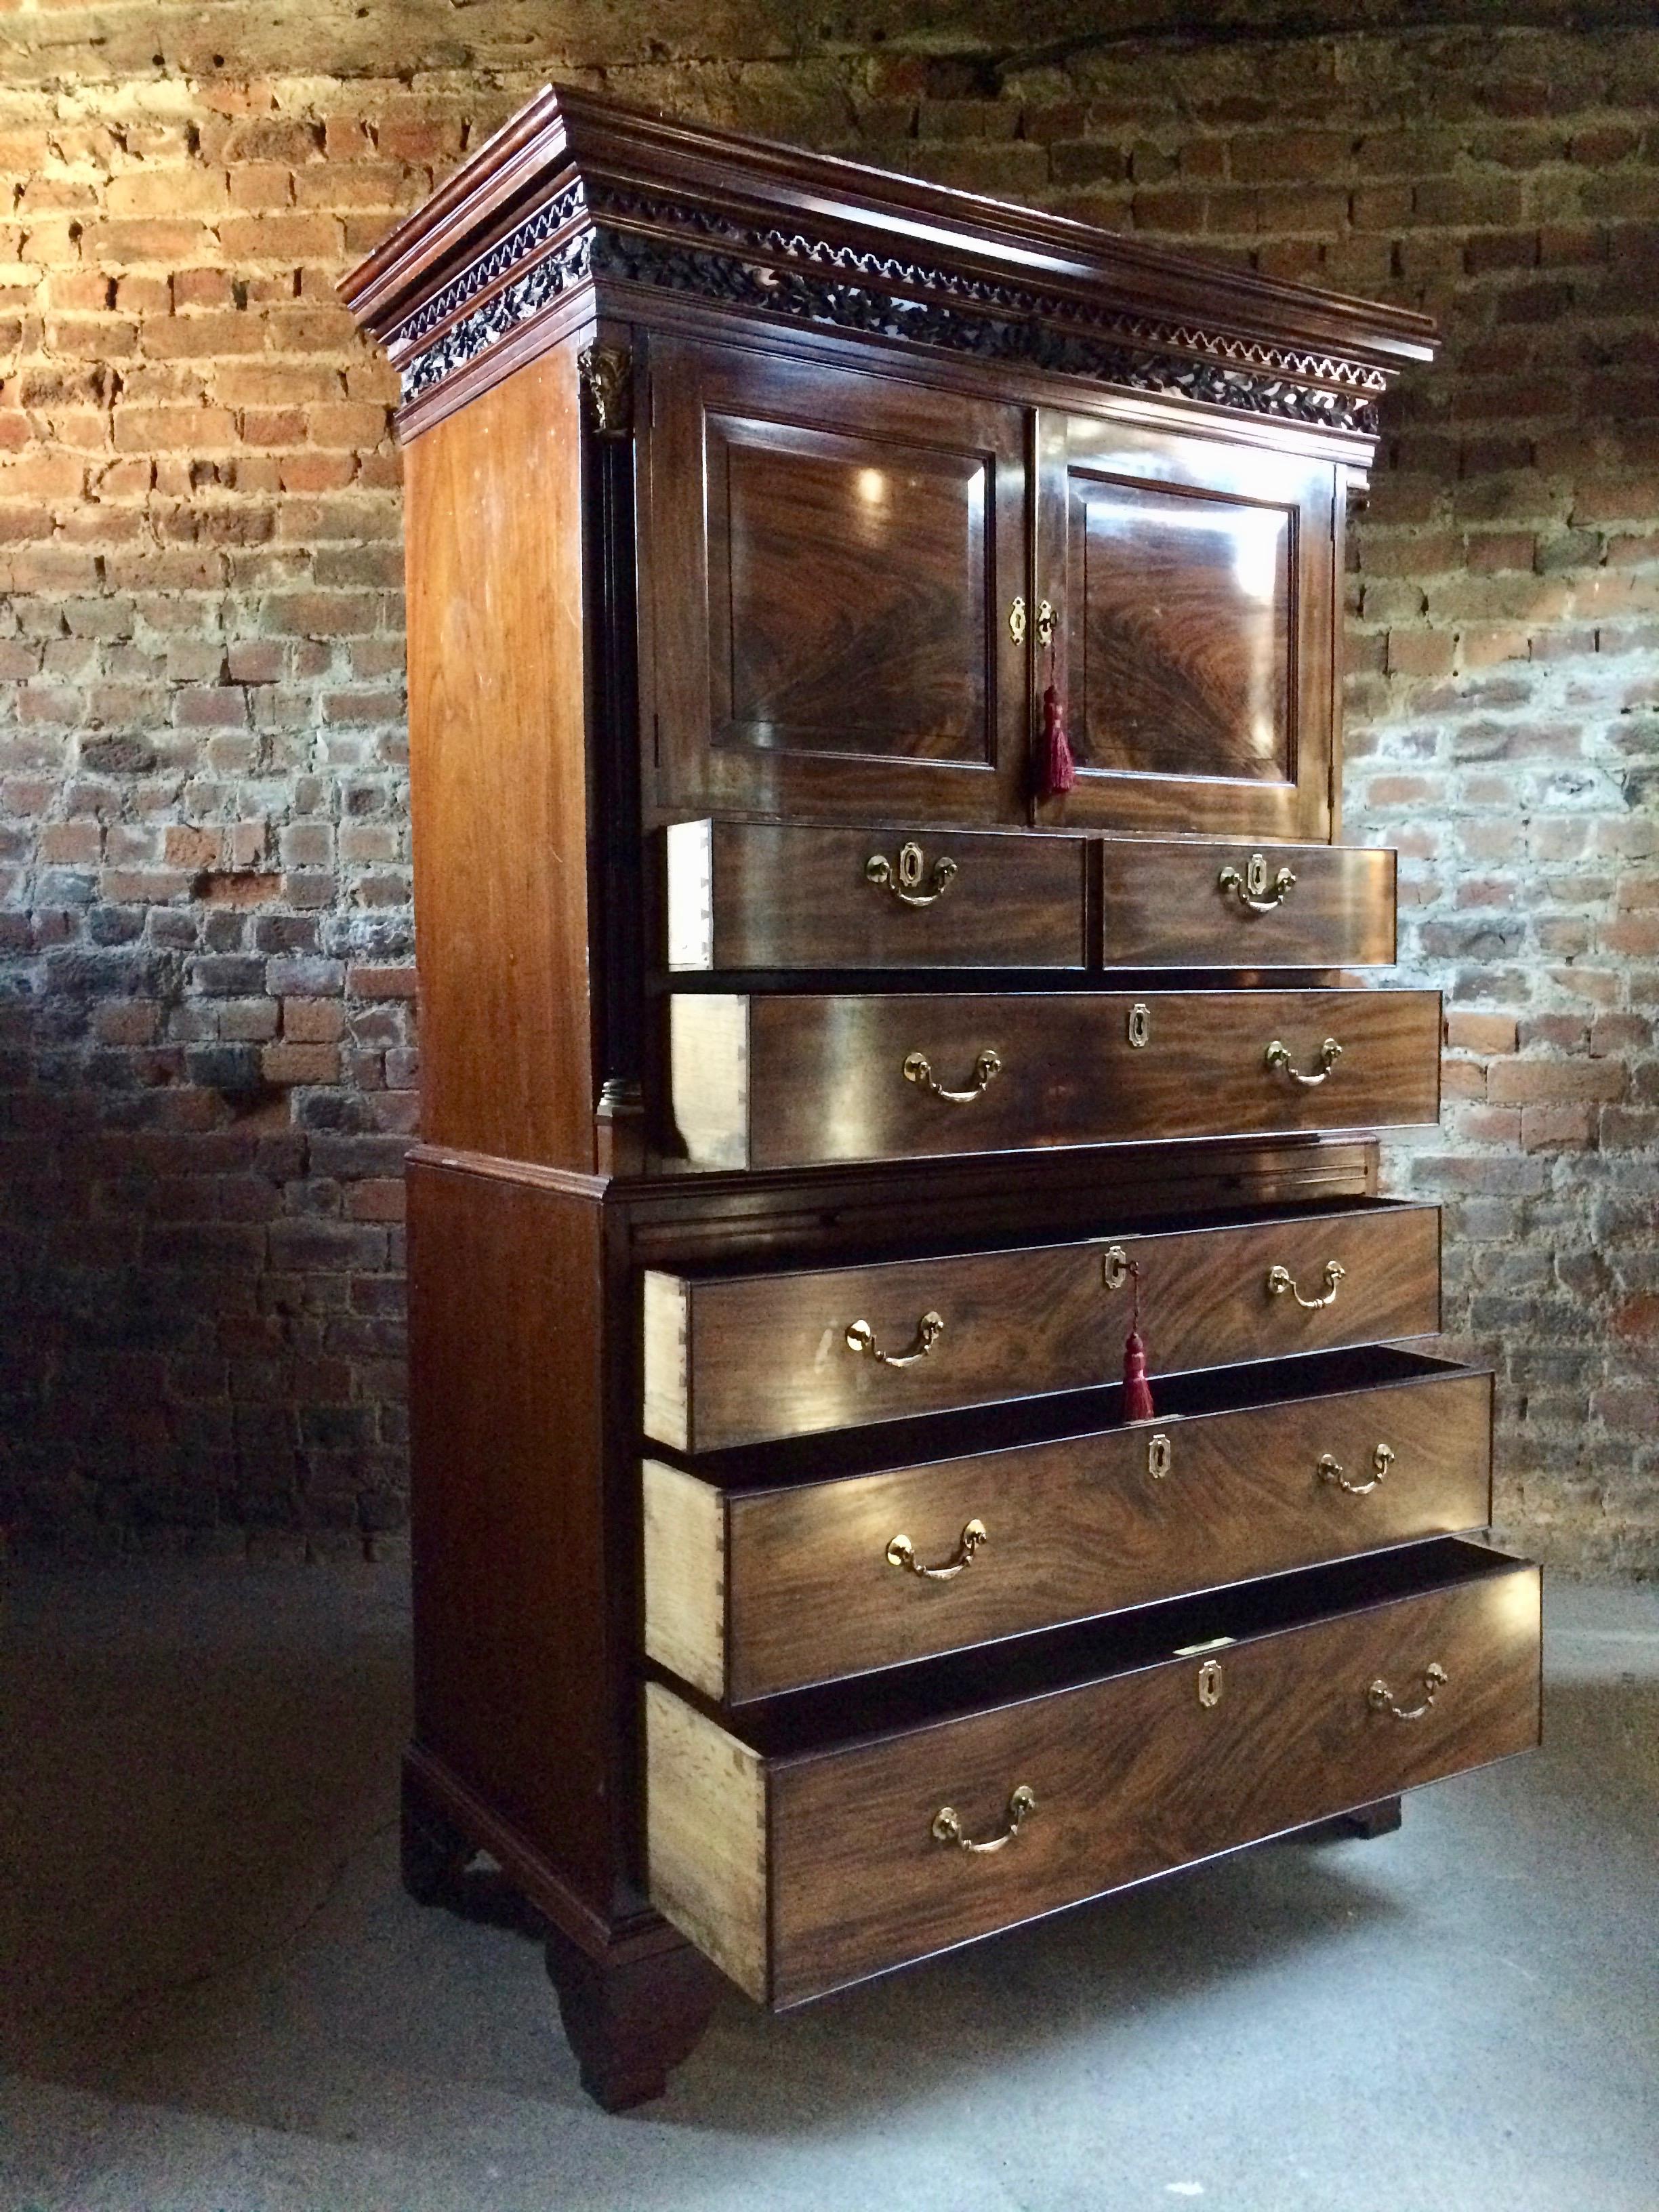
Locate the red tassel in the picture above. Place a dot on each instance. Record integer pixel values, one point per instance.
(1137, 1391)
(1056, 770)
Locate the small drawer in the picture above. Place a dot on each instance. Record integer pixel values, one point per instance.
(801, 1080)
(1176, 903)
(752, 895)
(839, 1834)
(737, 1359)
(754, 1586)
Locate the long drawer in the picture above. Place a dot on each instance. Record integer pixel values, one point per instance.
(835, 1836)
(797, 1080)
(739, 1359)
(794, 897)
(754, 1586)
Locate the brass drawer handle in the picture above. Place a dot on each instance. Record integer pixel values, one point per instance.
(1278, 1057)
(901, 1553)
(860, 1337)
(905, 881)
(1381, 1699)
(918, 1069)
(1280, 1279)
(1329, 1471)
(947, 1827)
(1256, 894)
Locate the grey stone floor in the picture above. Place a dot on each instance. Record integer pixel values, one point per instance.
(217, 1999)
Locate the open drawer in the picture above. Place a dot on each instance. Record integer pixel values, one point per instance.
(837, 1833)
(760, 1577)
(781, 1079)
(736, 1359)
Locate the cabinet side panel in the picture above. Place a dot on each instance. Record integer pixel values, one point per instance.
(513, 1683)
(498, 769)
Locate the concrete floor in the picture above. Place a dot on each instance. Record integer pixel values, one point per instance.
(217, 1998)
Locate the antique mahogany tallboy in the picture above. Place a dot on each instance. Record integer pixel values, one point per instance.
(873, 698)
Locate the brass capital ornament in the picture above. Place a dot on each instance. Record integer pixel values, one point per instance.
(607, 378)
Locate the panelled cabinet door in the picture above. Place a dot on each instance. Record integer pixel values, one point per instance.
(834, 558)
(1192, 583)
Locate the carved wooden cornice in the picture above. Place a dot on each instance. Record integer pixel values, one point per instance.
(625, 203)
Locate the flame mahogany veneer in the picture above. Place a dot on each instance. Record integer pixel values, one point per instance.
(755, 501)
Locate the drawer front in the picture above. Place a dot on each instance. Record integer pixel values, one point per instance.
(800, 1081)
(757, 895)
(738, 1360)
(1169, 904)
(749, 1594)
(840, 1869)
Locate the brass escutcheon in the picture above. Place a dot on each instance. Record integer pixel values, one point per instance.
(1381, 1699)
(1115, 1267)
(945, 1827)
(1017, 621)
(901, 1553)
(1139, 1024)
(860, 1337)
(904, 882)
(1330, 1471)
(1210, 1684)
(1046, 620)
(1159, 1456)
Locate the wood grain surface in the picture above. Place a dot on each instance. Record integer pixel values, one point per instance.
(751, 1357)
(498, 773)
(1196, 586)
(805, 1079)
(788, 895)
(1075, 1527)
(1133, 1776)
(1162, 906)
(832, 558)
(514, 1668)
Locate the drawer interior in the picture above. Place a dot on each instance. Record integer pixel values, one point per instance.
(841, 1714)
(793, 1461)
(1107, 1219)
(799, 1841)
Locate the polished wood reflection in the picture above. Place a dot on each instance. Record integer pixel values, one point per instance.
(1132, 1773)
(781, 1080)
(754, 1590)
(1181, 632)
(833, 558)
(737, 1358)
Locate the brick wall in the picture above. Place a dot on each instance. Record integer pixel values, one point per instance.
(207, 1053)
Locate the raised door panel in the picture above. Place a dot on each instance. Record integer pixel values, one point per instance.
(832, 558)
(1194, 641)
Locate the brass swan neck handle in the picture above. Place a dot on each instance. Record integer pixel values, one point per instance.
(1280, 1280)
(1381, 1699)
(905, 880)
(1329, 1470)
(1277, 1058)
(946, 1827)
(918, 1069)
(1256, 894)
(901, 1553)
(860, 1337)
